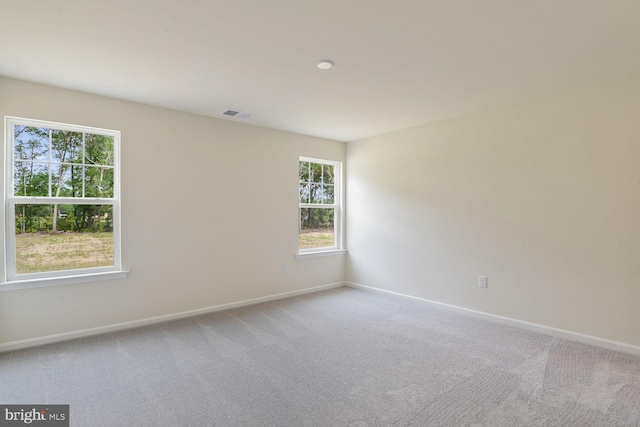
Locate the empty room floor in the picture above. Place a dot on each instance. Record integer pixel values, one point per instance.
(342, 357)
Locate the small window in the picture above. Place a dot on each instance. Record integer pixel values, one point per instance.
(62, 197)
(319, 207)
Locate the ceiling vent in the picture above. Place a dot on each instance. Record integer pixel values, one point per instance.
(236, 114)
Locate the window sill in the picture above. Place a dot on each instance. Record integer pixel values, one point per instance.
(321, 253)
(15, 285)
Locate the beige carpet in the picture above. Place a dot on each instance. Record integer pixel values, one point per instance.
(344, 357)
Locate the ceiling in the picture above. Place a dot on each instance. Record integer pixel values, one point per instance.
(397, 63)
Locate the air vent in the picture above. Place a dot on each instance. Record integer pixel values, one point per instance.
(236, 114)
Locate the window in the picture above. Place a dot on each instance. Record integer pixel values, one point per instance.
(319, 210)
(62, 199)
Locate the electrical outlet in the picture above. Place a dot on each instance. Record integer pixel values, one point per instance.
(482, 281)
(285, 268)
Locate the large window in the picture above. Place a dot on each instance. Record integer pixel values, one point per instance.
(319, 205)
(62, 200)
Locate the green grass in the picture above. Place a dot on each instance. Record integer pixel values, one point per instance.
(36, 253)
(315, 239)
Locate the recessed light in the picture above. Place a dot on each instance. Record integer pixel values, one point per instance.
(325, 64)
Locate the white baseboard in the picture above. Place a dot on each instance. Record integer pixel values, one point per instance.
(15, 345)
(562, 333)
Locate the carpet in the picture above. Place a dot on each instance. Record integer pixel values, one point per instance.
(343, 357)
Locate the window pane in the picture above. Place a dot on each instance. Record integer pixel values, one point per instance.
(80, 236)
(304, 193)
(30, 143)
(303, 172)
(315, 171)
(316, 228)
(327, 194)
(98, 149)
(98, 182)
(30, 179)
(62, 182)
(316, 193)
(327, 174)
(66, 146)
(322, 194)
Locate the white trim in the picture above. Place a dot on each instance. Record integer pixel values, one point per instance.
(321, 253)
(35, 200)
(42, 282)
(62, 126)
(65, 336)
(562, 333)
(318, 206)
(321, 161)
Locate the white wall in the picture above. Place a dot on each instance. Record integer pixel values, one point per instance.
(208, 214)
(542, 197)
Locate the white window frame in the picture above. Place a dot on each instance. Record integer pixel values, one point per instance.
(338, 202)
(12, 280)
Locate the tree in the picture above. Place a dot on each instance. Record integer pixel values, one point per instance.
(316, 188)
(30, 179)
(50, 162)
(66, 146)
(98, 182)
